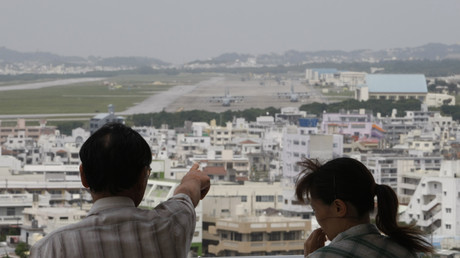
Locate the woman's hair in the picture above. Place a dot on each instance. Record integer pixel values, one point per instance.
(349, 180)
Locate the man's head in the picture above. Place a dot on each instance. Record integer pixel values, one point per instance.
(114, 159)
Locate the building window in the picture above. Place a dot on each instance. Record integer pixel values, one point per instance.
(289, 235)
(10, 211)
(265, 198)
(257, 236)
(244, 198)
(274, 236)
(238, 237)
(448, 226)
(448, 210)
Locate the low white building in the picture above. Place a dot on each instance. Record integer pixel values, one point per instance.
(439, 99)
(435, 204)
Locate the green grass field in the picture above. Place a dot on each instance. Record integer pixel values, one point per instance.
(80, 98)
(92, 96)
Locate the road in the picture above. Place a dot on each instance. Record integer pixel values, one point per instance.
(40, 85)
(162, 100)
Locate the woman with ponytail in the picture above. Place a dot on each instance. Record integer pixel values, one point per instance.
(341, 193)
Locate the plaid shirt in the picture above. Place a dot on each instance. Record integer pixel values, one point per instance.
(114, 227)
(362, 241)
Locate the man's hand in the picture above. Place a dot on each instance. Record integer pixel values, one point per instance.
(195, 184)
(315, 241)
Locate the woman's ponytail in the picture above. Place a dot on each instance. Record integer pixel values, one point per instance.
(386, 221)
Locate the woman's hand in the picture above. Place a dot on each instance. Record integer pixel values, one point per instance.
(315, 241)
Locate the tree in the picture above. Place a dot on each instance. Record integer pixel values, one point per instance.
(22, 249)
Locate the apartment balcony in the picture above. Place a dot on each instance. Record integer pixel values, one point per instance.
(211, 236)
(429, 221)
(387, 166)
(11, 220)
(257, 246)
(248, 227)
(407, 186)
(57, 197)
(427, 207)
(389, 175)
(15, 200)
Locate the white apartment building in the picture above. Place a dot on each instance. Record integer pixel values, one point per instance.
(220, 135)
(334, 77)
(401, 172)
(297, 144)
(23, 148)
(386, 168)
(289, 115)
(236, 165)
(59, 184)
(439, 99)
(248, 199)
(408, 181)
(40, 221)
(189, 145)
(435, 204)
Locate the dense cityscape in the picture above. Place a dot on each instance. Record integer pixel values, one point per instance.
(251, 208)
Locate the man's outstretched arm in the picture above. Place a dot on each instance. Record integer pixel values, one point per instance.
(195, 184)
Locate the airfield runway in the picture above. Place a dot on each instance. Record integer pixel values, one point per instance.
(255, 95)
(197, 97)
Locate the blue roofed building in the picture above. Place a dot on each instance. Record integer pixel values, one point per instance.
(393, 87)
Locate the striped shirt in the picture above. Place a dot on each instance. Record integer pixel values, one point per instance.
(363, 241)
(115, 228)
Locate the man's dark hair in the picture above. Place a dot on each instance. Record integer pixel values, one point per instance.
(114, 157)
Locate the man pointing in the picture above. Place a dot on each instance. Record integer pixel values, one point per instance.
(116, 167)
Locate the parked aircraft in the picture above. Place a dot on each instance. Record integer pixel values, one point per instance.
(293, 96)
(227, 99)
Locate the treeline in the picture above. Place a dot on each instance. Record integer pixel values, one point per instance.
(174, 120)
(66, 127)
(453, 111)
(177, 119)
(384, 107)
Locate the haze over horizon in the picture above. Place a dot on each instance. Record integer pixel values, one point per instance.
(181, 31)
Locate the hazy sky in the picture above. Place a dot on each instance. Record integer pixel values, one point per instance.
(179, 31)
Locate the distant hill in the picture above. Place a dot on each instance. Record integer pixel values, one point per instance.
(432, 51)
(12, 56)
(8, 56)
